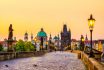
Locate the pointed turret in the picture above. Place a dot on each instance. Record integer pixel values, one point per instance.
(58, 37)
(65, 28)
(26, 36)
(50, 38)
(86, 38)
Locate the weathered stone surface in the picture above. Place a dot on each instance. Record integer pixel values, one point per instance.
(91, 63)
(50, 61)
(13, 55)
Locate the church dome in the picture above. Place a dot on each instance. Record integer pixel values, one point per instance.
(26, 33)
(56, 38)
(42, 33)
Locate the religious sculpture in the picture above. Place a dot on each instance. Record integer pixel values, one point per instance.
(10, 37)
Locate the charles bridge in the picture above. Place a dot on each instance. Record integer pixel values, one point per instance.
(41, 58)
(80, 57)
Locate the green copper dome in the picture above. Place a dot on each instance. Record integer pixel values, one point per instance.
(56, 38)
(41, 33)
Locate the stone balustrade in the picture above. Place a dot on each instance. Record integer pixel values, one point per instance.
(90, 63)
(13, 55)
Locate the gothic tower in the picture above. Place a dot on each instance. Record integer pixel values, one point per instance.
(65, 37)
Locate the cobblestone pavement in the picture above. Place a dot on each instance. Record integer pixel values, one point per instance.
(50, 61)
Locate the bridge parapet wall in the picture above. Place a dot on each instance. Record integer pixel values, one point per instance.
(13, 55)
(90, 63)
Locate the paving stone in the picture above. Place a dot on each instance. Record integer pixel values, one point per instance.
(50, 61)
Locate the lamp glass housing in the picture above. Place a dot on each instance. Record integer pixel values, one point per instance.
(91, 22)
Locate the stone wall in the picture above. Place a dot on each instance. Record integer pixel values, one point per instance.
(6, 56)
(90, 63)
(13, 55)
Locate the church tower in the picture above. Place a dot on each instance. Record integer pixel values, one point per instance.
(50, 39)
(65, 37)
(86, 38)
(26, 37)
(86, 41)
(65, 28)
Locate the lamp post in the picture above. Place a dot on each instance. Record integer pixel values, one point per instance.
(46, 45)
(35, 39)
(91, 22)
(82, 43)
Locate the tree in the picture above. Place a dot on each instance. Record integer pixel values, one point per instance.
(29, 46)
(24, 46)
(1, 47)
(20, 46)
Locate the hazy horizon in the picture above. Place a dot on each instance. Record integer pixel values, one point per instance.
(32, 15)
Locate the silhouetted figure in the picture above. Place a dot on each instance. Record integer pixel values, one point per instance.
(10, 38)
(82, 43)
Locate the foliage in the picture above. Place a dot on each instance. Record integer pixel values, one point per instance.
(24, 46)
(1, 47)
(20, 46)
(29, 46)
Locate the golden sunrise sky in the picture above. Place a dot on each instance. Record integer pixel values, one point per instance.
(31, 15)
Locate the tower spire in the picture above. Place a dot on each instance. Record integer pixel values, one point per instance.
(58, 37)
(26, 36)
(50, 37)
(86, 37)
(65, 28)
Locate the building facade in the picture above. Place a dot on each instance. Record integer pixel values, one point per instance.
(42, 37)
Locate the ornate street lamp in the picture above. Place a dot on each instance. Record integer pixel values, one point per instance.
(91, 22)
(82, 43)
(35, 39)
(46, 45)
(82, 39)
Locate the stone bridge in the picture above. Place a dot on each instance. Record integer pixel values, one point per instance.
(50, 61)
(59, 60)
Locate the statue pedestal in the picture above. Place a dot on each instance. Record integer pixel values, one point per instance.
(10, 48)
